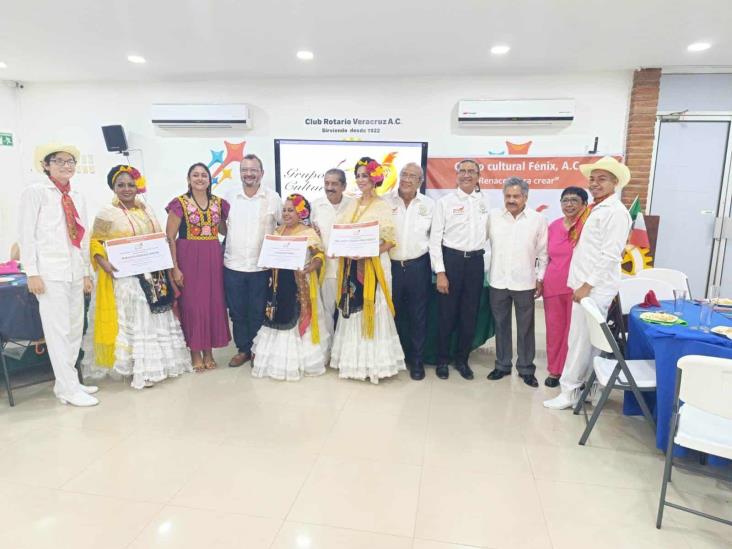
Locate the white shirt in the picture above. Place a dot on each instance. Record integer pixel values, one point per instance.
(249, 220)
(596, 259)
(460, 221)
(413, 225)
(518, 249)
(45, 247)
(322, 218)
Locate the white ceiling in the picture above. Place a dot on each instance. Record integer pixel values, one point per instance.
(51, 40)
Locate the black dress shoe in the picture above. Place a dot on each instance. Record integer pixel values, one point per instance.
(416, 372)
(464, 370)
(497, 374)
(443, 372)
(529, 379)
(551, 382)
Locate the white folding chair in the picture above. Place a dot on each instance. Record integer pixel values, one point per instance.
(677, 279)
(633, 291)
(703, 422)
(613, 373)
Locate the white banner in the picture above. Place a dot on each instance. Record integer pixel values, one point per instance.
(301, 164)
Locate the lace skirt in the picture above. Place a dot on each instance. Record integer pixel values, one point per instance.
(149, 347)
(359, 358)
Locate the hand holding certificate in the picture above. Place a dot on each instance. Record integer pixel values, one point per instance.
(283, 252)
(139, 254)
(354, 240)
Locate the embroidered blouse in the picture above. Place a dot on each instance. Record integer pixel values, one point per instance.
(198, 223)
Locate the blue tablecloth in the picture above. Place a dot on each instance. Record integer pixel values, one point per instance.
(19, 317)
(667, 344)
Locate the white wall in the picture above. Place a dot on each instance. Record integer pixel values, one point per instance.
(426, 106)
(10, 167)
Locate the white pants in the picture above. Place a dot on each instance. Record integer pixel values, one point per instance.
(329, 294)
(580, 352)
(62, 316)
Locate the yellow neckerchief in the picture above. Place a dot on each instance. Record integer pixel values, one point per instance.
(314, 282)
(373, 273)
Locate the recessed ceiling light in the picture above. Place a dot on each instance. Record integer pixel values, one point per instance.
(3, 65)
(500, 50)
(305, 55)
(699, 46)
(136, 59)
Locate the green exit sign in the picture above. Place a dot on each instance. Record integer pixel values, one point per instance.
(6, 139)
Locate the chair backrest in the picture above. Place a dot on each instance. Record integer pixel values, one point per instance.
(633, 291)
(677, 279)
(706, 383)
(600, 335)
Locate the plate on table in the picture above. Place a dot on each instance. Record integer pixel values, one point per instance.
(723, 331)
(661, 317)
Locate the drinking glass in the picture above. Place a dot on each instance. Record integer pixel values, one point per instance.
(705, 315)
(680, 296)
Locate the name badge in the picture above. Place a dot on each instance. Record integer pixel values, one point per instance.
(422, 210)
(458, 211)
(395, 210)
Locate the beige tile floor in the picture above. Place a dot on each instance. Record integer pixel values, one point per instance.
(221, 460)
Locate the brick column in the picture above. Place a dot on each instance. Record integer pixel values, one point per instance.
(640, 137)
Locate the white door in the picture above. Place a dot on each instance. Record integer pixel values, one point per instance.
(687, 192)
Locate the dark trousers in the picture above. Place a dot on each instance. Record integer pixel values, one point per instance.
(502, 303)
(460, 306)
(410, 288)
(246, 296)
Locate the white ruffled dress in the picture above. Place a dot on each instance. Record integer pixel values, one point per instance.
(150, 347)
(285, 355)
(359, 358)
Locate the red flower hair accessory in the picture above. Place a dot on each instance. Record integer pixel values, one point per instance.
(135, 174)
(302, 206)
(374, 170)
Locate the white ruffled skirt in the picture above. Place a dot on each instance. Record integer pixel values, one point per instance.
(359, 358)
(286, 356)
(149, 347)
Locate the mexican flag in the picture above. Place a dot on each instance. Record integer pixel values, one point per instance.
(638, 234)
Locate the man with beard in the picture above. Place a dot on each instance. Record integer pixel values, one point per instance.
(325, 210)
(255, 211)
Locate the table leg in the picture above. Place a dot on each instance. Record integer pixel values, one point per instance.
(5, 372)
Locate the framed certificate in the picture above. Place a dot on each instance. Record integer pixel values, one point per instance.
(283, 252)
(354, 240)
(136, 255)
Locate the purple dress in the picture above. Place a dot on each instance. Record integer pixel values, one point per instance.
(200, 258)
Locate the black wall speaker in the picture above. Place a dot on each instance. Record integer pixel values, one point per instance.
(114, 138)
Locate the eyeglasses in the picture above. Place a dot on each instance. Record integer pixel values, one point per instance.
(59, 162)
(467, 172)
(412, 176)
(571, 201)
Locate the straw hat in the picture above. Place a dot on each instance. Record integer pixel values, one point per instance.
(609, 164)
(42, 151)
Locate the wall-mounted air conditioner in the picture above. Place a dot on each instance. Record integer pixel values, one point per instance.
(227, 115)
(504, 112)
